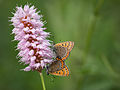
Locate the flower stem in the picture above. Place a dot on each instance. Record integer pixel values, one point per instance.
(42, 80)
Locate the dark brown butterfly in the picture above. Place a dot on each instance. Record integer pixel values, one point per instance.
(58, 67)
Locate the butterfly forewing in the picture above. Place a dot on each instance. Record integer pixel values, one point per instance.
(60, 51)
(63, 49)
(70, 46)
(56, 69)
(55, 66)
(62, 72)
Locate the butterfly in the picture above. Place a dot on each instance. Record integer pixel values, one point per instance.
(62, 51)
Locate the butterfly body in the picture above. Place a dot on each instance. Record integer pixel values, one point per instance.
(62, 51)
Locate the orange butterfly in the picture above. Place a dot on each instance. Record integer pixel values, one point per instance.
(58, 67)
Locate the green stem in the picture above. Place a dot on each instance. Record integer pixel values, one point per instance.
(92, 29)
(42, 80)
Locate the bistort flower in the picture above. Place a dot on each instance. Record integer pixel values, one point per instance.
(34, 48)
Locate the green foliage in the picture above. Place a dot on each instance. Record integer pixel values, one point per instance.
(94, 62)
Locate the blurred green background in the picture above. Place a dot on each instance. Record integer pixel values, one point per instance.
(94, 63)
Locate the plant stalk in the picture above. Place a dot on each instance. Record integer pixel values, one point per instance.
(42, 80)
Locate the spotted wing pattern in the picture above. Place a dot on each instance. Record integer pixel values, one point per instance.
(56, 69)
(63, 72)
(63, 49)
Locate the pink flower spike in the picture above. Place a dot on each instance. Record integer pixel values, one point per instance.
(31, 52)
(33, 45)
(27, 68)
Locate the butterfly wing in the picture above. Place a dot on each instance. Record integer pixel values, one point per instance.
(55, 66)
(63, 72)
(69, 45)
(56, 69)
(63, 49)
